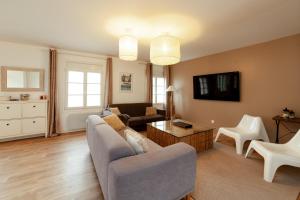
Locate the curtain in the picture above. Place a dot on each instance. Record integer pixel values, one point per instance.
(52, 104)
(108, 93)
(149, 75)
(168, 105)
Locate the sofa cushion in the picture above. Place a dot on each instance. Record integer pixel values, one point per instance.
(152, 146)
(136, 121)
(115, 110)
(114, 121)
(153, 118)
(151, 111)
(136, 141)
(132, 109)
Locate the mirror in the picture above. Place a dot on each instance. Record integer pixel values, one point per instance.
(22, 79)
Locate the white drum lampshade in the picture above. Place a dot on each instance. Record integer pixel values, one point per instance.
(165, 50)
(128, 48)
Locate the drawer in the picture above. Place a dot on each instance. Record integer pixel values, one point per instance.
(34, 109)
(10, 128)
(34, 125)
(10, 111)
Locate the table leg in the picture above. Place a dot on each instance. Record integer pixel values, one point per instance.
(277, 131)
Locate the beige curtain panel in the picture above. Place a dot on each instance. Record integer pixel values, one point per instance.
(52, 104)
(108, 93)
(149, 75)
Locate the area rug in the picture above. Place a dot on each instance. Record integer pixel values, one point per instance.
(224, 175)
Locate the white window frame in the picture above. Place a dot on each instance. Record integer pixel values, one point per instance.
(85, 68)
(154, 97)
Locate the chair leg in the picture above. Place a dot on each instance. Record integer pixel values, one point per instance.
(218, 135)
(270, 169)
(264, 139)
(239, 146)
(250, 149)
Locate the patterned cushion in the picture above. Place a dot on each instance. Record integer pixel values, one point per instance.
(136, 141)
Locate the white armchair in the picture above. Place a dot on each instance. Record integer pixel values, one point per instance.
(249, 128)
(276, 155)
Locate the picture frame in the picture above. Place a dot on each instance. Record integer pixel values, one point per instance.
(126, 81)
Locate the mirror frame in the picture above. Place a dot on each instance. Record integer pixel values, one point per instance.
(4, 79)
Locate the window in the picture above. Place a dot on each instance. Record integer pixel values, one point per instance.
(159, 90)
(203, 86)
(83, 89)
(222, 83)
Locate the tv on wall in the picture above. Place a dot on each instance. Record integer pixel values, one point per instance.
(222, 86)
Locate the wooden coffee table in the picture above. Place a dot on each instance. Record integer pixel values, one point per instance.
(165, 133)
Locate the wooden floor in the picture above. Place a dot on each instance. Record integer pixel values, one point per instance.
(56, 168)
(61, 168)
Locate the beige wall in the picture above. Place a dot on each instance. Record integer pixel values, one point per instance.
(270, 81)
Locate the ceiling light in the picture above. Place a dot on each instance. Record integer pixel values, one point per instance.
(165, 50)
(128, 48)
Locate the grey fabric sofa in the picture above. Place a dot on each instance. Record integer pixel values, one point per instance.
(160, 174)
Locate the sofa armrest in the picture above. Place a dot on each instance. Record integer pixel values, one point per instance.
(161, 112)
(124, 118)
(167, 174)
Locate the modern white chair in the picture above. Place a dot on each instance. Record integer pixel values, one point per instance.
(249, 128)
(276, 155)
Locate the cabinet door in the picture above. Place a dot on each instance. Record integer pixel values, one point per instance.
(34, 109)
(10, 111)
(34, 125)
(10, 128)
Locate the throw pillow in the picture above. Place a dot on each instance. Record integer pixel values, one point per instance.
(114, 121)
(151, 111)
(105, 112)
(115, 111)
(136, 141)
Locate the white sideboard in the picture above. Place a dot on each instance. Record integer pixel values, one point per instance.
(21, 119)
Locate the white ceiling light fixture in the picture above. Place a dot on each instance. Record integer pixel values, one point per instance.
(165, 50)
(128, 48)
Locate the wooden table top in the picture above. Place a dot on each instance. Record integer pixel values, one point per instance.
(292, 120)
(177, 131)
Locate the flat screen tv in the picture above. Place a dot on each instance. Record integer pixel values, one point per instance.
(223, 86)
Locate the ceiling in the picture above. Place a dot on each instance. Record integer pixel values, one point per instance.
(203, 26)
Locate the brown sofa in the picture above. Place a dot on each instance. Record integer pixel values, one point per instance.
(137, 115)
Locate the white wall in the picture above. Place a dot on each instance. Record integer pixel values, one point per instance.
(139, 81)
(21, 55)
(74, 119)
